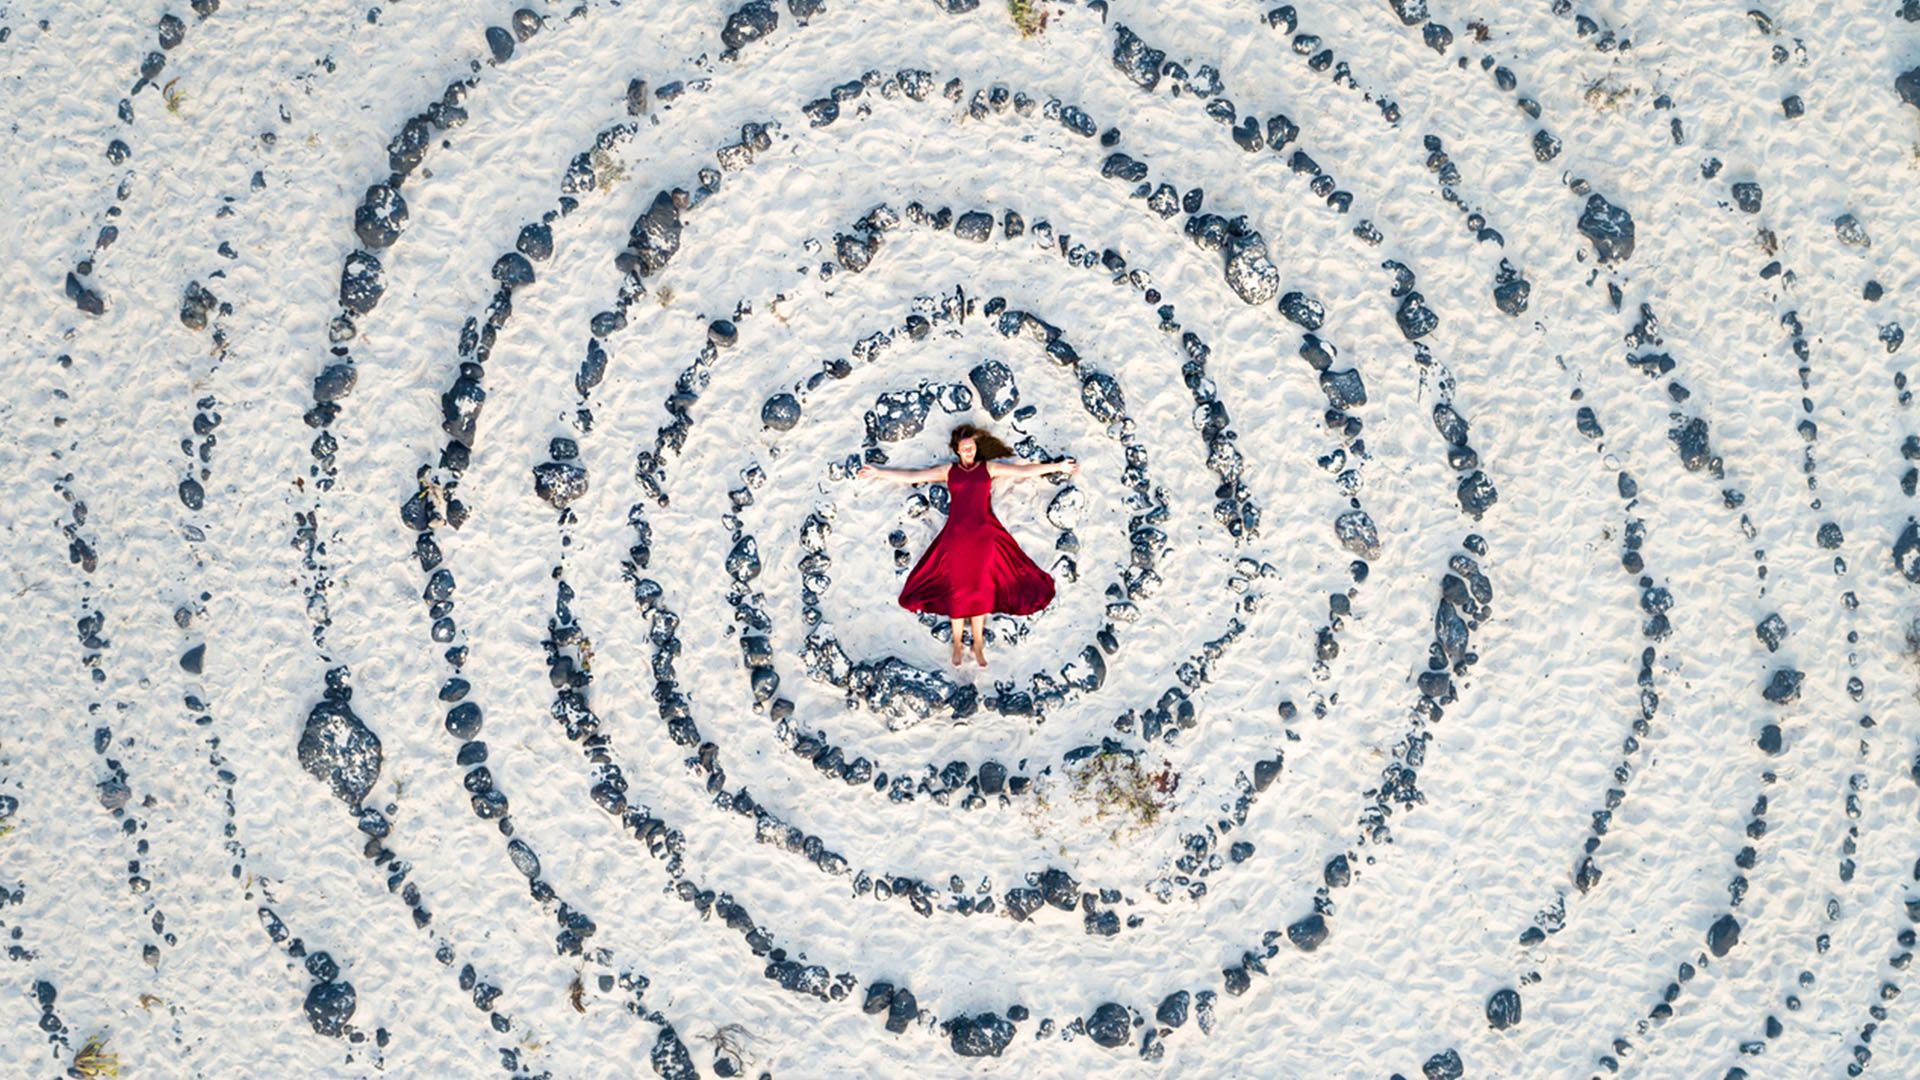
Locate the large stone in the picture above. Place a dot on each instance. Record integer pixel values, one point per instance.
(975, 225)
(1064, 511)
(1906, 552)
(656, 236)
(1784, 687)
(994, 382)
(1609, 227)
(898, 414)
(1503, 1009)
(1723, 935)
(360, 285)
(329, 1006)
(340, 751)
(380, 218)
(985, 1035)
(1249, 270)
(1344, 389)
(1110, 1025)
(1451, 631)
(1476, 493)
(1101, 396)
(781, 412)
(1416, 319)
(559, 483)
(1411, 12)
(752, 22)
(1690, 439)
(1444, 1065)
(743, 562)
(1357, 534)
(1308, 933)
(1136, 59)
(1907, 85)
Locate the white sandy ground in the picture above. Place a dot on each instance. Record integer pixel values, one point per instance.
(1426, 932)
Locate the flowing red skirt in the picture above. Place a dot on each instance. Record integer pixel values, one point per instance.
(975, 566)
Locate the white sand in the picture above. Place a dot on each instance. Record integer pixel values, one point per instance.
(1429, 927)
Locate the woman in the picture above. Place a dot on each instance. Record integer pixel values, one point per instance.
(975, 566)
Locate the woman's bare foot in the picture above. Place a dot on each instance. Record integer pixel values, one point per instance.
(959, 651)
(980, 655)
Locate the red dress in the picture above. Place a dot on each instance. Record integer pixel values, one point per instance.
(975, 566)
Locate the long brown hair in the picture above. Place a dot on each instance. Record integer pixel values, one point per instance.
(986, 446)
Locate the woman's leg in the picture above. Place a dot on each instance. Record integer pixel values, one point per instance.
(958, 647)
(980, 639)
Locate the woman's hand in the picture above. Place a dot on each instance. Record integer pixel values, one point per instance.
(866, 472)
(1073, 467)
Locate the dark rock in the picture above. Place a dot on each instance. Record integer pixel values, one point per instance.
(1746, 195)
(743, 562)
(1784, 687)
(592, 369)
(1416, 319)
(1357, 534)
(380, 217)
(1444, 1065)
(902, 1010)
(1771, 631)
(1173, 1009)
(1723, 935)
(655, 237)
(513, 270)
(1101, 396)
(1411, 12)
(1906, 552)
(360, 285)
(334, 382)
(524, 860)
(1476, 494)
(975, 225)
(1344, 389)
(340, 751)
(1137, 60)
(984, 1035)
(752, 22)
(994, 382)
(192, 495)
(1511, 296)
(1450, 630)
(1503, 1009)
(782, 412)
(898, 415)
(1338, 873)
(1249, 270)
(329, 1006)
(1907, 85)
(535, 240)
(1690, 439)
(194, 659)
(1307, 934)
(464, 720)
(1303, 310)
(500, 43)
(1609, 227)
(559, 483)
(1110, 1025)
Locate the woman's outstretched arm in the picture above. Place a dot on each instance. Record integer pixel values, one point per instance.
(1017, 470)
(928, 475)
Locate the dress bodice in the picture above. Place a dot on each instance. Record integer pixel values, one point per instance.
(969, 494)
